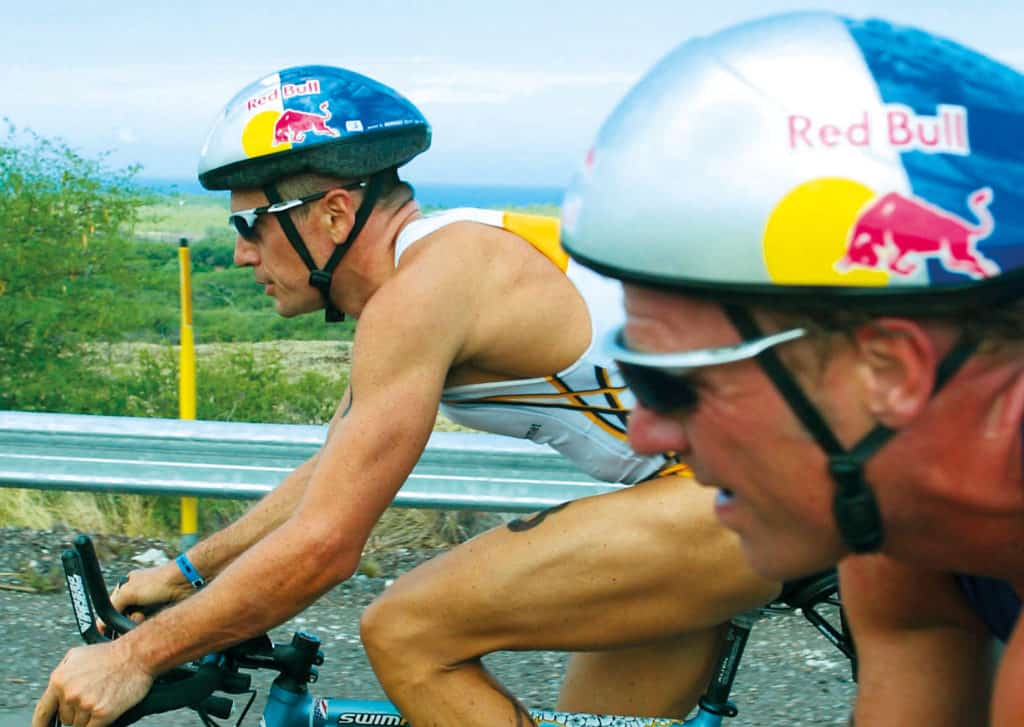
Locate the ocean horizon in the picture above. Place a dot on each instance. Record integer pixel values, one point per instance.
(428, 194)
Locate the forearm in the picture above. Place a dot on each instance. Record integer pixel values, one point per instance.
(271, 582)
(924, 657)
(939, 687)
(214, 553)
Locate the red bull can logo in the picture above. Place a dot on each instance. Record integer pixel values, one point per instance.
(897, 232)
(273, 128)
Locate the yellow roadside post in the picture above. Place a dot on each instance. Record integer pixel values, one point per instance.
(187, 387)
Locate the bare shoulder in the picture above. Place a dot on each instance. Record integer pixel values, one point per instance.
(503, 306)
(464, 242)
(425, 310)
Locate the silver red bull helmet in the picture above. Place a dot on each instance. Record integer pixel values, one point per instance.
(808, 158)
(310, 118)
(808, 155)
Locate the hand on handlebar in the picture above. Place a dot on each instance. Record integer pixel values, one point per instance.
(93, 686)
(143, 592)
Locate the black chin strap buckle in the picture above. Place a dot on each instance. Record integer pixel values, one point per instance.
(854, 506)
(321, 280)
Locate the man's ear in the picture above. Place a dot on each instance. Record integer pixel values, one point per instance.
(897, 359)
(339, 213)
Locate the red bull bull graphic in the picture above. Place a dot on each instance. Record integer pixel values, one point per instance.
(896, 232)
(895, 125)
(838, 231)
(292, 126)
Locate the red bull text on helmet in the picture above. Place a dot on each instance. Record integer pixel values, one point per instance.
(899, 125)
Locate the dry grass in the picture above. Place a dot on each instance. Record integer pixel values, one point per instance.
(85, 511)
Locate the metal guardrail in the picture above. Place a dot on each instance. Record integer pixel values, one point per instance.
(237, 460)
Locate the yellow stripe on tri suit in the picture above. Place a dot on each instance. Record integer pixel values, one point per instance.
(594, 413)
(674, 468)
(540, 231)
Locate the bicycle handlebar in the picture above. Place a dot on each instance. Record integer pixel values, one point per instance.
(184, 686)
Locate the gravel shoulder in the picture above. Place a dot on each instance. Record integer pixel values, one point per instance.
(789, 673)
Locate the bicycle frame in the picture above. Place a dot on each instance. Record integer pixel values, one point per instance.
(289, 703)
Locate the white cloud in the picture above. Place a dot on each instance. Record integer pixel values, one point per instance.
(458, 84)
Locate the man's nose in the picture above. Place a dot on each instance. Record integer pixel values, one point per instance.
(245, 253)
(654, 433)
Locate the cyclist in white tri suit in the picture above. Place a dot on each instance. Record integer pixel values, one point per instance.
(580, 411)
(640, 579)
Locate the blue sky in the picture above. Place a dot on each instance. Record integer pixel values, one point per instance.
(514, 91)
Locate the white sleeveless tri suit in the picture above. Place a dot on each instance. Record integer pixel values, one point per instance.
(580, 411)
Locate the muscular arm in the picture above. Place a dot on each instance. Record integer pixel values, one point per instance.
(407, 340)
(924, 657)
(165, 584)
(217, 551)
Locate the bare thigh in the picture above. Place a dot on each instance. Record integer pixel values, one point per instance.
(620, 570)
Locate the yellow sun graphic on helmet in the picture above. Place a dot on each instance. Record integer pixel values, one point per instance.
(807, 234)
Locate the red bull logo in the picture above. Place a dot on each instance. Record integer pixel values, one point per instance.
(285, 90)
(896, 125)
(292, 126)
(898, 232)
(837, 231)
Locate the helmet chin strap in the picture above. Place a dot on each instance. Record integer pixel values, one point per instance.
(320, 278)
(854, 505)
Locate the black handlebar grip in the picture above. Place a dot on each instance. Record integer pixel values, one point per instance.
(190, 691)
(219, 707)
(84, 616)
(98, 588)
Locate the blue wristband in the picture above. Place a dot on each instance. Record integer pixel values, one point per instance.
(189, 571)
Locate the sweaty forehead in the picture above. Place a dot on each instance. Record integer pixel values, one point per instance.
(669, 321)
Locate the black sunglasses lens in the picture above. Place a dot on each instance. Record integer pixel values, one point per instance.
(658, 391)
(242, 227)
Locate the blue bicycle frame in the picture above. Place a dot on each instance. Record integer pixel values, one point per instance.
(289, 703)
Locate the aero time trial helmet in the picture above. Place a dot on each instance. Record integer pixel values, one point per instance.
(809, 156)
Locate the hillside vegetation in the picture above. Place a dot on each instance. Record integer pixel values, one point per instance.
(90, 322)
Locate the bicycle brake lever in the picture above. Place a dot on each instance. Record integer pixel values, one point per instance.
(97, 588)
(80, 603)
